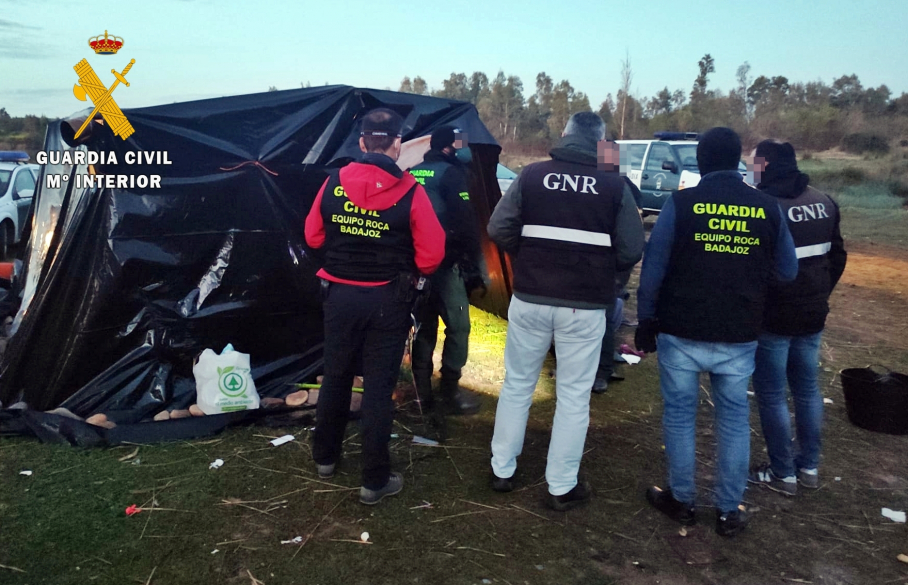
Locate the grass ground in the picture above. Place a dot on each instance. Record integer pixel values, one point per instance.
(65, 523)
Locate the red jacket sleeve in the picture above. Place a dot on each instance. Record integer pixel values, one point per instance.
(428, 235)
(315, 226)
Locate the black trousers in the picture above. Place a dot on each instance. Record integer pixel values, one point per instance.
(367, 325)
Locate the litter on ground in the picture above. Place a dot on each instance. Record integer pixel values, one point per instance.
(281, 440)
(216, 463)
(894, 515)
(294, 540)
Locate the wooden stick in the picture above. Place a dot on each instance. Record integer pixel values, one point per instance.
(16, 569)
(148, 581)
(350, 540)
(443, 518)
(325, 517)
(480, 550)
(481, 505)
(453, 463)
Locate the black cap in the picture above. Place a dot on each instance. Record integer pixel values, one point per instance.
(719, 150)
(382, 122)
(442, 137)
(777, 153)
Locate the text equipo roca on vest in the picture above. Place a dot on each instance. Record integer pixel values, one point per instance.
(109, 181)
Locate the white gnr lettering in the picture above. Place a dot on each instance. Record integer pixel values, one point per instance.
(807, 212)
(558, 182)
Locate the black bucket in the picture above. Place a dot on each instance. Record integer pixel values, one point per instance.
(876, 402)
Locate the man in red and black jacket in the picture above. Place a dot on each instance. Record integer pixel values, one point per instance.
(378, 232)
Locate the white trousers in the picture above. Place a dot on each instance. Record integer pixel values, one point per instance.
(578, 340)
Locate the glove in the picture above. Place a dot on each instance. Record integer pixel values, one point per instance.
(645, 337)
(473, 279)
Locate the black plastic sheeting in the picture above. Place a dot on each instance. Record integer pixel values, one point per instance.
(131, 285)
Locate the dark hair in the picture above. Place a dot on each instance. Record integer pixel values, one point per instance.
(587, 125)
(380, 128)
(719, 150)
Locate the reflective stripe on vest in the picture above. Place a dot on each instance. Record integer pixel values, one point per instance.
(547, 232)
(814, 250)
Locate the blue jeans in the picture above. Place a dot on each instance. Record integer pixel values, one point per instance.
(793, 360)
(730, 366)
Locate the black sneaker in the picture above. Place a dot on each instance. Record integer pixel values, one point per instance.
(731, 523)
(392, 488)
(503, 484)
(762, 475)
(576, 497)
(665, 502)
(600, 386)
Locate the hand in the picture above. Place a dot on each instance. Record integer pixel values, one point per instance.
(473, 279)
(645, 337)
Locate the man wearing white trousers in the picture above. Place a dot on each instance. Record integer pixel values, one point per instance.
(569, 224)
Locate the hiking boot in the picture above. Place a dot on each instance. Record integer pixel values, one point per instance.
(600, 386)
(392, 488)
(326, 471)
(809, 478)
(731, 523)
(576, 497)
(458, 401)
(503, 484)
(615, 377)
(665, 502)
(763, 476)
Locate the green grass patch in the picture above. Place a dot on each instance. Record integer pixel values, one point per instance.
(868, 195)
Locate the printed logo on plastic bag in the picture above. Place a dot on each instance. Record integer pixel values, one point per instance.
(232, 383)
(224, 382)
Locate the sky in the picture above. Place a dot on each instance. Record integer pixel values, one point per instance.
(195, 49)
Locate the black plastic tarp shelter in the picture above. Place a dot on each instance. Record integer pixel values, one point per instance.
(123, 288)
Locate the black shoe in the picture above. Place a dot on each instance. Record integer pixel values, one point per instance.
(600, 386)
(576, 497)
(665, 502)
(731, 523)
(503, 484)
(615, 377)
(463, 402)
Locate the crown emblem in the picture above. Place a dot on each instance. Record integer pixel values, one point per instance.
(106, 45)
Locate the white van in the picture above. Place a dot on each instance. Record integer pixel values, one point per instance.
(17, 187)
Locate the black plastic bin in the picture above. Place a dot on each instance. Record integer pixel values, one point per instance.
(876, 401)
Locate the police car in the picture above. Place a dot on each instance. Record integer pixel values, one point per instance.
(17, 187)
(660, 167)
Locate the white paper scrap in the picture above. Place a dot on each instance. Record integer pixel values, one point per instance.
(281, 440)
(631, 358)
(295, 540)
(827, 401)
(894, 515)
(215, 551)
(364, 537)
(26, 472)
(216, 463)
(417, 440)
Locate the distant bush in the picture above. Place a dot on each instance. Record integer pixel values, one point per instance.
(807, 156)
(870, 195)
(853, 175)
(861, 142)
(903, 143)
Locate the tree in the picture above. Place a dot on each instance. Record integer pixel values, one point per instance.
(306, 84)
(503, 107)
(272, 88)
(479, 87)
(875, 101)
(627, 75)
(707, 65)
(455, 87)
(846, 92)
(419, 86)
(406, 86)
(742, 75)
(607, 110)
(661, 103)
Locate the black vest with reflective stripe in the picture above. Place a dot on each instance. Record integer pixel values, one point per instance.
(566, 252)
(800, 307)
(722, 261)
(365, 245)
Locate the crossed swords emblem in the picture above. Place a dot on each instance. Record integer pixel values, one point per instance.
(90, 86)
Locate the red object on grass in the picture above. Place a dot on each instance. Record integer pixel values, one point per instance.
(6, 270)
(625, 348)
(132, 510)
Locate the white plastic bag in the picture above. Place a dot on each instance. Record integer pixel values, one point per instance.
(223, 382)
